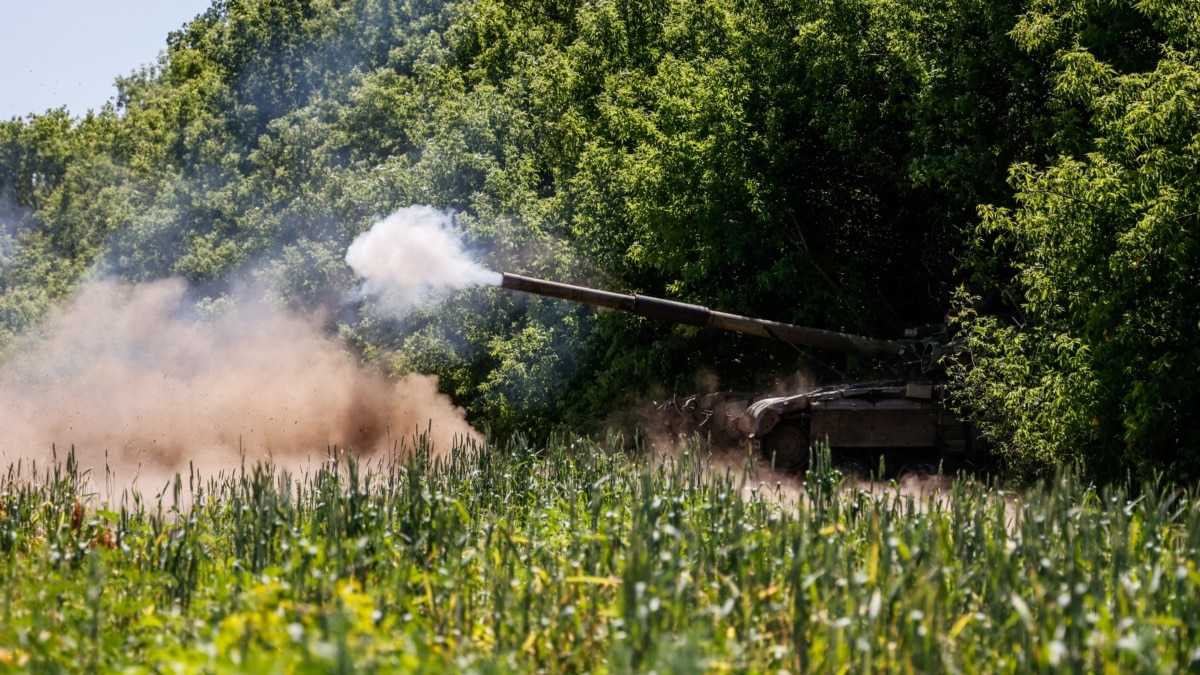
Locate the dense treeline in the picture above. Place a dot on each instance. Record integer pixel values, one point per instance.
(851, 164)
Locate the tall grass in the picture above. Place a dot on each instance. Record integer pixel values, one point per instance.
(568, 558)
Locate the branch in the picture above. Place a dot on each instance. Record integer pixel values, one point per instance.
(803, 246)
(1064, 195)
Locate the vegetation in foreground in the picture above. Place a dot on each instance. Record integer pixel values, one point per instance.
(571, 559)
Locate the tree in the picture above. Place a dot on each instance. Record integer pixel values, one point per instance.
(1105, 365)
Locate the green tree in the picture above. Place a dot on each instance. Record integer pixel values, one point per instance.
(1104, 364)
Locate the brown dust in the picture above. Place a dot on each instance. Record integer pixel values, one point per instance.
(119, 376)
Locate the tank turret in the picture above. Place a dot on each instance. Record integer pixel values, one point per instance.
(904, 417)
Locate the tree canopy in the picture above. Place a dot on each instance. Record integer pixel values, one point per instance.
(848, 164)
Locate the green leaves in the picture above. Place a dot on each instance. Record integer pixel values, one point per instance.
(1105, 253)
(567, 555)
(819, 162)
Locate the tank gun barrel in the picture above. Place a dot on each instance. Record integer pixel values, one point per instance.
(697, 315)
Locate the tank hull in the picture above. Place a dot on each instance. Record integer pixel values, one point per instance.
(906, 423)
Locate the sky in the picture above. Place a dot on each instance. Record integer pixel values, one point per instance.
(70, 52)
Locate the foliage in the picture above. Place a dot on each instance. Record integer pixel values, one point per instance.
(1105, 363)
(819, 162)
(567, 558)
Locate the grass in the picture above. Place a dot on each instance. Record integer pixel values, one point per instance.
(570, 559)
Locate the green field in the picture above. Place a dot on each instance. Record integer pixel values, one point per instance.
(568, 558)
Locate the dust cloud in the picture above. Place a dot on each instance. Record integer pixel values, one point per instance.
(758, 480)
(412, 256)
(670, 436)
(132, 384)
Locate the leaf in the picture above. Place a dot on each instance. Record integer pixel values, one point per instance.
(1022, 610)
(597, 581)
(960, 624)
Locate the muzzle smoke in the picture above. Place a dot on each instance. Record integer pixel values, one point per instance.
(124, 379)
(413, 256)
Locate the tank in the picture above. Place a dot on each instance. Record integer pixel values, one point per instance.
(903, 419)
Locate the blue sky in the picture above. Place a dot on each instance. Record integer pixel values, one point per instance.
(69, 52)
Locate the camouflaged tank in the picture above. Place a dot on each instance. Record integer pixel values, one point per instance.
(905, 418)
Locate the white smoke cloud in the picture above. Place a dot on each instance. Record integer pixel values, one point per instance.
(412, 256)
